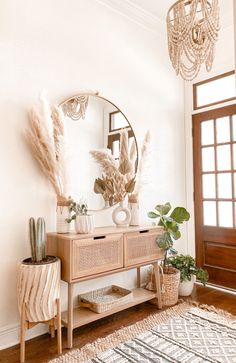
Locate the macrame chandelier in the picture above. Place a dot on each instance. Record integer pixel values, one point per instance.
(192, 27)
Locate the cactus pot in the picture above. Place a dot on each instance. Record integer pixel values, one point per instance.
(38, 286)
(84, 224)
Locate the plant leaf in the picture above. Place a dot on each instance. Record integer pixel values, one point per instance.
(153, 215)
(176, 235)
(180, 215)
(129, 187)
(164, 208)
(164, 241)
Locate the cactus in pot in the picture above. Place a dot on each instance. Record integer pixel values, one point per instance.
(37, 239)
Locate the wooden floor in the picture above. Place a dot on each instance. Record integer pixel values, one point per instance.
(44, 348)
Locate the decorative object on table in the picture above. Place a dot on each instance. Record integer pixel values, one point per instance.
(133, 206)
(38, 287)
(118, 178)
(141, 180)
(63, 214)
(120, 210)
(192, 28)
(105, 299)
(84, 222)
(167, 333)
(46, 137)
(188, 273)
(171, 225)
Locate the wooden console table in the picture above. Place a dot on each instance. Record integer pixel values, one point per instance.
(108, 250)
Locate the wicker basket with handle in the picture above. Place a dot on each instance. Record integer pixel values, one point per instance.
(105, 299)
(170, 278)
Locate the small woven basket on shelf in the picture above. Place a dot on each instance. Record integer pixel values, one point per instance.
(105, 299)
(170, 278)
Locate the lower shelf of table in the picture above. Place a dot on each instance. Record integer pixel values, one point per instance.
(82, 316)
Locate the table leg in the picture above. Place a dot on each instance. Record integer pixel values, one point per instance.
(70, 316)
(59, 345)
(138, 277)
(158, 283)
(22, 333)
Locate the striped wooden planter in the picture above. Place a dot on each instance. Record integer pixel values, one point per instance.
(38, 293)
(38, 287)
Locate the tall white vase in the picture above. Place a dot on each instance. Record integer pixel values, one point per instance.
(115, 216)
(134, 211)
(62, 226)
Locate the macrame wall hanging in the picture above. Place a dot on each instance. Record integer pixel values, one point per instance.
(76, 107)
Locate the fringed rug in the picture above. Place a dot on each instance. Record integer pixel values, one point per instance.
(181, 334)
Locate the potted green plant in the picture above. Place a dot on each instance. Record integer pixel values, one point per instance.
(38, 285)
(188, 273)
(84, 222)
(170, 221)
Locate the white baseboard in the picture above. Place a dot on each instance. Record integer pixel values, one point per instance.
(9, 335)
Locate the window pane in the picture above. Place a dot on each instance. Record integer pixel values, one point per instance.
(208, 159)
(234, 127)
(209, 186)
(118, 121)
(215, 91)
(207, 132)
(224, 185)
(116, 149)
(225, 214)
(209, 213)
(222, 130)
(223, 157)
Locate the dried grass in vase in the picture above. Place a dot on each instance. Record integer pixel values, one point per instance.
(118, 179)
(44, 136)
(142, 175)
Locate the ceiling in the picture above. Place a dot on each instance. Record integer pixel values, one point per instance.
(157, 8)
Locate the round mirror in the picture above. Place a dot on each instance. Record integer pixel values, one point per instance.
(97, 132)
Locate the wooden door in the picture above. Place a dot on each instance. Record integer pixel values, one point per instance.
(214, 150)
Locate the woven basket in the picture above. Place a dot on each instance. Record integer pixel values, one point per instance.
(170, 278)
(105, 299)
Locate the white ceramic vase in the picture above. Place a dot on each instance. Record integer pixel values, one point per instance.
(134, 211)
(186, 287)
(115, 216)
(84, 224)
(62, 226)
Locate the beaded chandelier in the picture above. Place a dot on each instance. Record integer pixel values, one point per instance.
(192, 27)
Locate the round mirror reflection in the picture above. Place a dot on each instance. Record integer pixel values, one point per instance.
(93, 123)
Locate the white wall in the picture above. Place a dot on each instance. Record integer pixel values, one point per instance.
(68, 46)
(224, 62)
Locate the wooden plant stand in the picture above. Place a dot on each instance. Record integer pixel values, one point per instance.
(24, 325)
(106, 251)
(38, 294)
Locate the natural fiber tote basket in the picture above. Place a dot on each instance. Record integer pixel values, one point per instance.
(170, 278)
(105, 299)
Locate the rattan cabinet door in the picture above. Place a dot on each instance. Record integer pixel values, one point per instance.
(141, 247)
(92, 256)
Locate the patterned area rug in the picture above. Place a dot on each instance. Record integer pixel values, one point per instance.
(182, 334)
